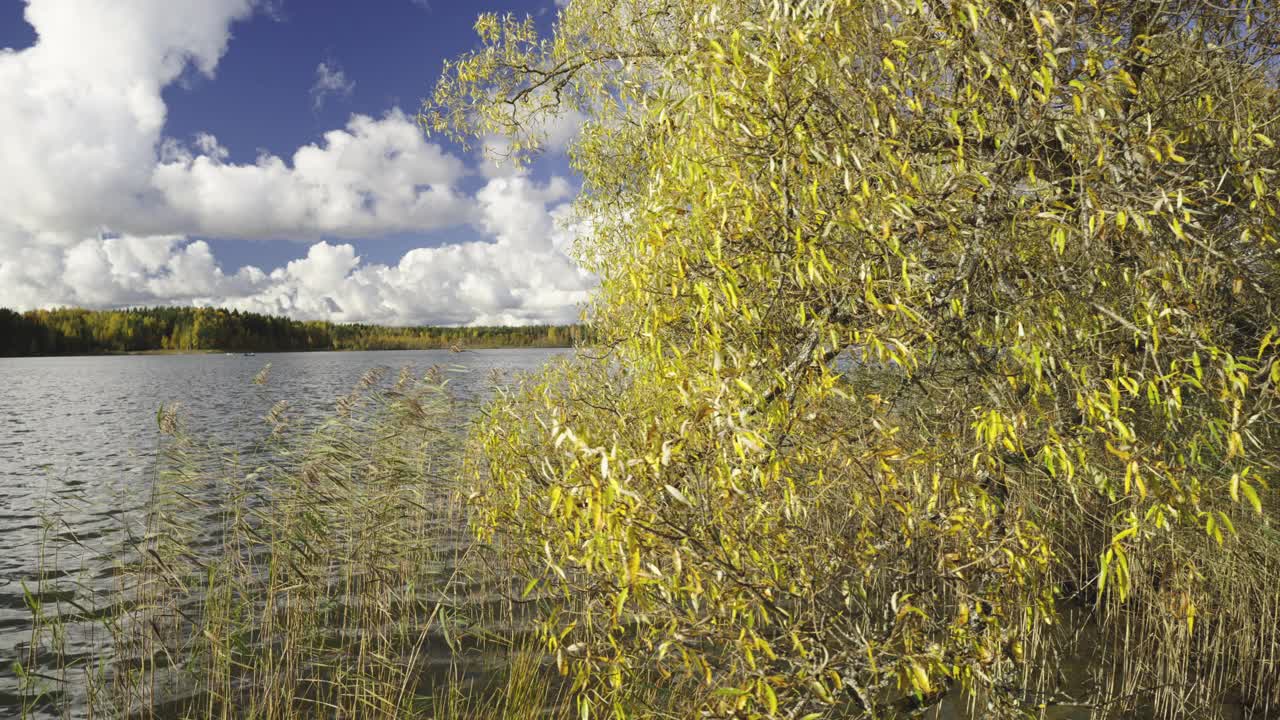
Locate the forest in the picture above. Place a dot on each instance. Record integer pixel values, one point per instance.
(80, 331)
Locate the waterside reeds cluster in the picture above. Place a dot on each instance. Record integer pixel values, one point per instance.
(327, 572)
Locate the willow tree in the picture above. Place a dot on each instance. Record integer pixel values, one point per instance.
(936, 354)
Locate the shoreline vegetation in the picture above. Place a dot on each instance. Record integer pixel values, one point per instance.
(158, 330)
(325, 570)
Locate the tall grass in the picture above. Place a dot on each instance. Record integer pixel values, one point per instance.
(327, 572)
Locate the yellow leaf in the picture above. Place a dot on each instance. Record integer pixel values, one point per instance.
(679, 496)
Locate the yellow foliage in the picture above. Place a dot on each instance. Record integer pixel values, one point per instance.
(921, 328)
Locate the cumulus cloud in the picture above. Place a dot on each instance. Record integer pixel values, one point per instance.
(82, 110)
(330, 80)
(375, 176)
(101, 213)
(523, 275)
(114, 271)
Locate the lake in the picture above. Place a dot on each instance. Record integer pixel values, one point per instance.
(78, 438)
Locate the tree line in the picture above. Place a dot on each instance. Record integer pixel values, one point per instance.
(81, 331)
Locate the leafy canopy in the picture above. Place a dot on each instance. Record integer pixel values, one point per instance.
(937, 345)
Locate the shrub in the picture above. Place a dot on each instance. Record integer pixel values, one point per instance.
(936, 353)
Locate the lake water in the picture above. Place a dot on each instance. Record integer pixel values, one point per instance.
(78, 437)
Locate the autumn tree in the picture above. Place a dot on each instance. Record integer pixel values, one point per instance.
(935, 358)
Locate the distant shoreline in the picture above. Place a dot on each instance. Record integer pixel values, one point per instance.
(203, 330)
(250, 353)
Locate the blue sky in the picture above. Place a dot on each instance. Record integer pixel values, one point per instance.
(152, 207)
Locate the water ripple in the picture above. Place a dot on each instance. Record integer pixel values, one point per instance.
(78, 439)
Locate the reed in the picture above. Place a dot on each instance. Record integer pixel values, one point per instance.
(326, 572)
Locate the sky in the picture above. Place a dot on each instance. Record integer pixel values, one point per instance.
(264, 155)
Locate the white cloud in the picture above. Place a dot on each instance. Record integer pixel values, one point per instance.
(82, 111)
(374, 177)
(100, 205)
(330, 80)
(113, 271)
(523, 276)
(62, 173)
